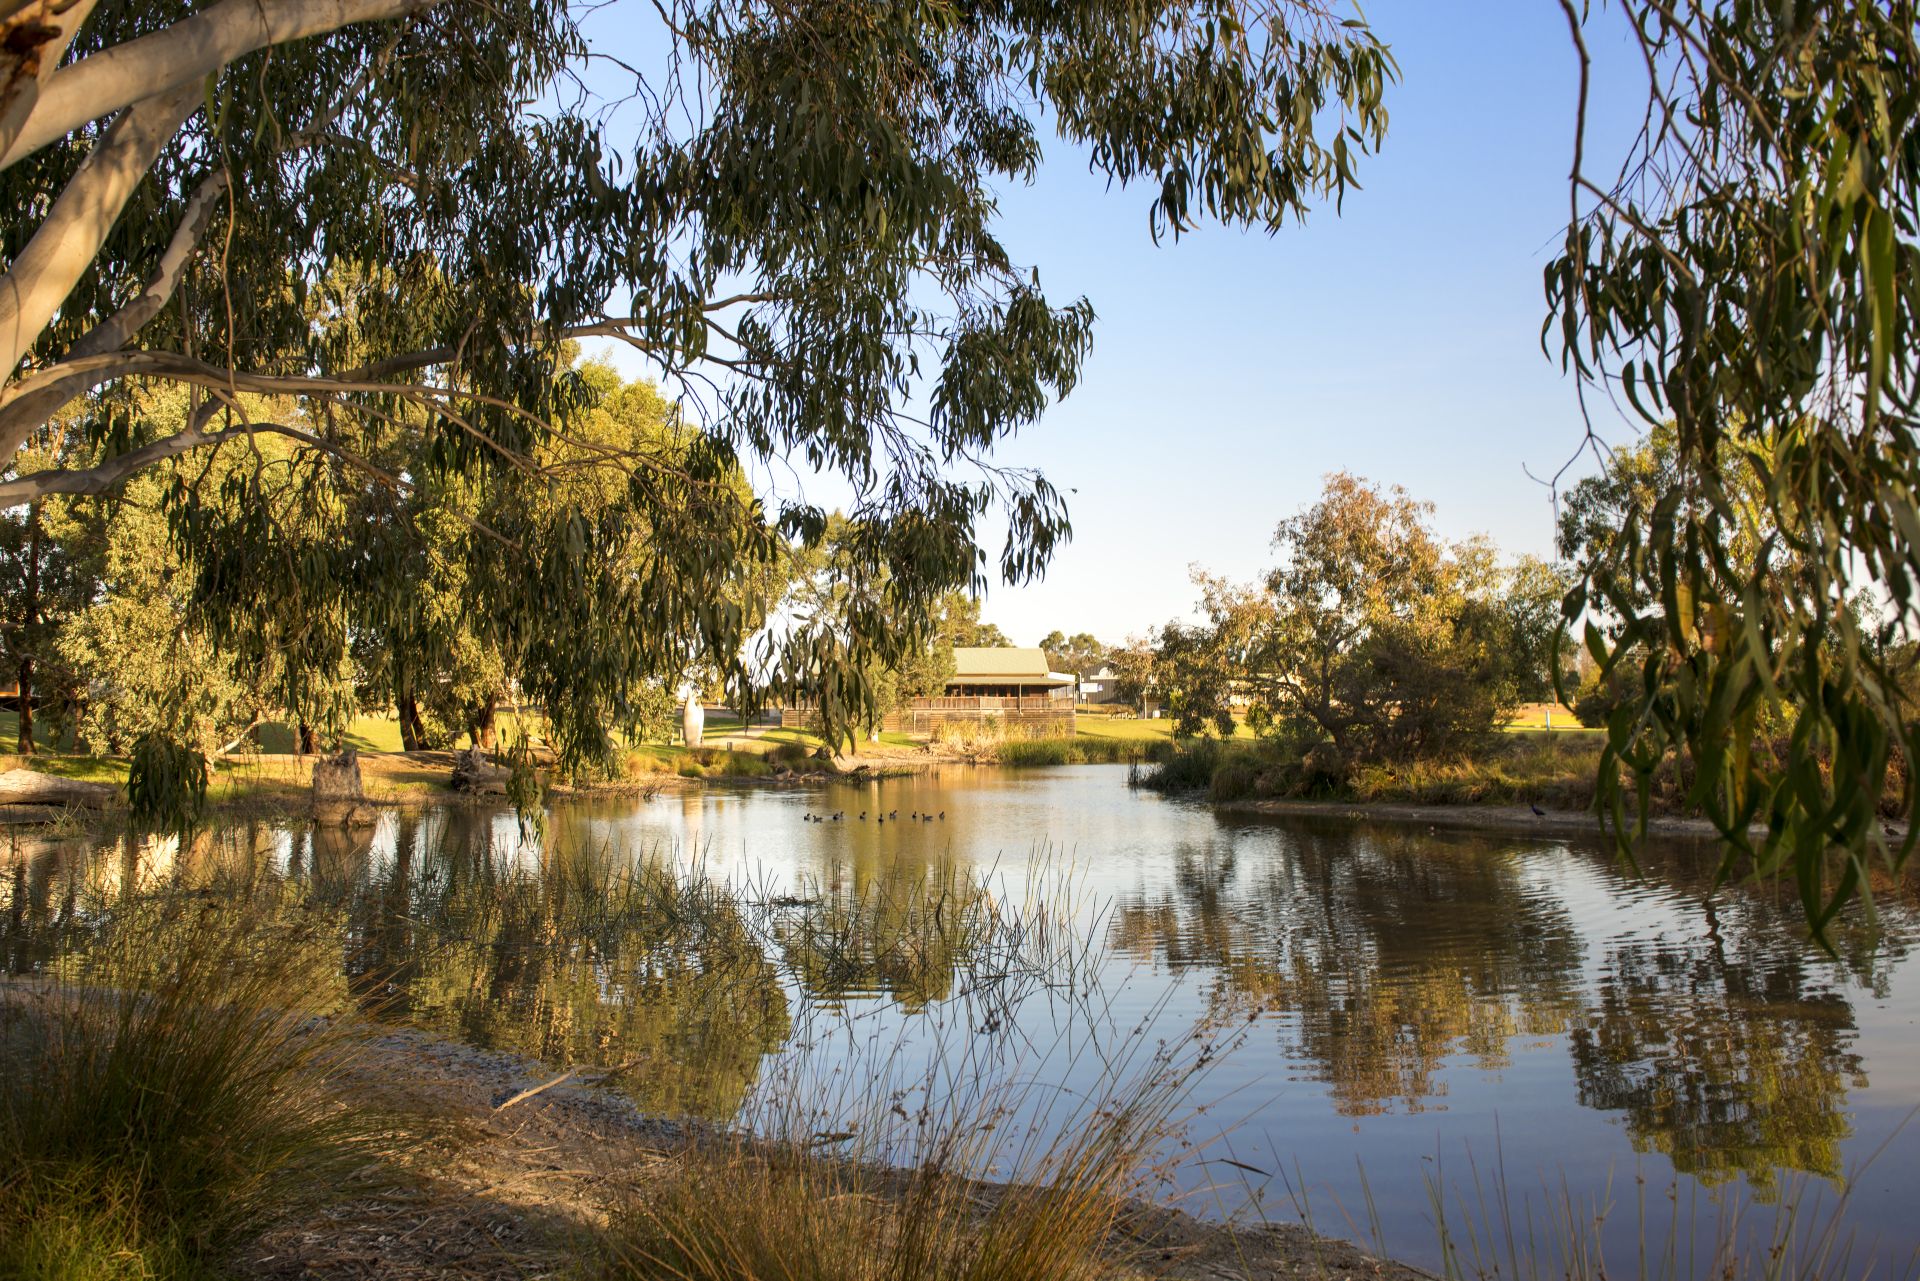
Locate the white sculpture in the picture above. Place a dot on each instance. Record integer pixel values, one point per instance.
(693, 719)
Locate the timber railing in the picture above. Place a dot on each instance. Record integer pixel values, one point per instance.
(1035, 716)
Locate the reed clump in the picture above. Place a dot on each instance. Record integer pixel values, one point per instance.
(742, 1216)
(952, 1180)
(721, 762)
(162, 1098)
(989, 741)
(1069, 751)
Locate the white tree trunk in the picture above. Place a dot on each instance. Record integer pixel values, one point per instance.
(34, 36)
(181, 55)
(67, 242)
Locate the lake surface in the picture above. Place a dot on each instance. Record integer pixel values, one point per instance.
(1400, 1010)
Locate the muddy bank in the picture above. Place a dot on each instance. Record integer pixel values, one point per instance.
(521, 1190)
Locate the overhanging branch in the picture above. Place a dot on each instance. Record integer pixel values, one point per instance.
(69, 239)
(99, 479)
(183, 54)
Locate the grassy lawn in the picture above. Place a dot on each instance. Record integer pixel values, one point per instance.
(367, 733)
(364, 733)
(1534, 716)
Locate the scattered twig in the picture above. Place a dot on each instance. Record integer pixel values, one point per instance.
(526, 1094)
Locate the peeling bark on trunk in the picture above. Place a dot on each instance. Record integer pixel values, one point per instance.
(184, 53)
(304, 743)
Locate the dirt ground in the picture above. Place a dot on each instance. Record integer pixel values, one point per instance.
(493, 1192)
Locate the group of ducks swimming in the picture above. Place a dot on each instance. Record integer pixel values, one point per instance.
(891, 816)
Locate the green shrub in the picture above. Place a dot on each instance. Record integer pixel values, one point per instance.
(1556, 770)
(746, 765)
(1189, 766)
(1233, 779)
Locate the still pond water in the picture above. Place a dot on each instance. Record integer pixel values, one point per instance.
(1404, 1007)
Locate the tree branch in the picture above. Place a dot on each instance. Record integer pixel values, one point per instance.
(65, 245)
(101, 478)
(118, 329)
(34, 35)
(33, 400)
(26, 405)
(182, 54)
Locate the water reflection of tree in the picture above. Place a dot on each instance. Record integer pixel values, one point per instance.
(1725, 1044)
(1389, 955)
(1724, 1066)
(1728, 1042)
(585, 957)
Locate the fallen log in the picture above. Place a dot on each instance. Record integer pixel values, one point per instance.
(30, 787)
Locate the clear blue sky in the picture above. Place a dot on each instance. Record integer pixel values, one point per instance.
(1398, 340)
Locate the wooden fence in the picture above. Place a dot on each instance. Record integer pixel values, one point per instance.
(1030, 717)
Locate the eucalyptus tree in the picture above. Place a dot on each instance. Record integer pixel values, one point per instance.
(42, 584)
(1748, 274)
(835, 594)
(1082, 652)
(395, 214)
(1372, 634)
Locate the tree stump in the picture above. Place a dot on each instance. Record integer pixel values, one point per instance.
(338, 800)
(474, 774)
(30, 787)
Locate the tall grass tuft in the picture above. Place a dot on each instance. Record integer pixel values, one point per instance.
(989, 743)
(900, 1190)
(161, 1099)
(932, 1148)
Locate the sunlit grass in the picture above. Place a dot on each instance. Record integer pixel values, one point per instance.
(90, 769)
(1546, 716)
(1155, 729)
